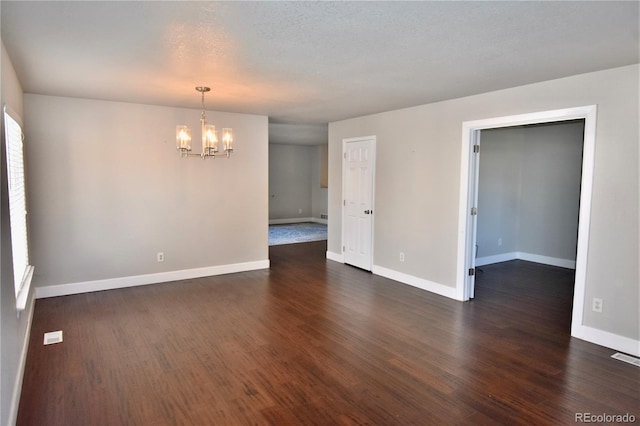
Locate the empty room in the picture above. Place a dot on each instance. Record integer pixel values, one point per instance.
(476, 165)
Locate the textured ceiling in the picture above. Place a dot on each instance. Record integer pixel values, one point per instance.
(309, 62)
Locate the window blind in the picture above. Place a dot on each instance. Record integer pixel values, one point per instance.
(17, 207)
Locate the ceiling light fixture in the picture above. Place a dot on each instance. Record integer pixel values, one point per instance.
(209, 136)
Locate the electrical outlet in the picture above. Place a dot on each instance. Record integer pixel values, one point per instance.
(401, 257)
(597, 305)
(160, 256)
(499, 241)
(299, 211)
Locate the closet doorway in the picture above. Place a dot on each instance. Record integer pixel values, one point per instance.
(468, 218)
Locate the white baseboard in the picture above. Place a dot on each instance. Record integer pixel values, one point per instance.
(421, 283)
(297, 220)
(22, 362)
(336, 257)
(489, 260)
(546, 260)
(411, 280)
(606, 339)
(291, 220)
(132, 281)
(553, 261)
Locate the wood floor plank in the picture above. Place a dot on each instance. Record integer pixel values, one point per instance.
(314, 342)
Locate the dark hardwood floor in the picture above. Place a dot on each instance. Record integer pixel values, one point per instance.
(314, 342)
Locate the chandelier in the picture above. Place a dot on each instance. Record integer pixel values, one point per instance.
(209, 136)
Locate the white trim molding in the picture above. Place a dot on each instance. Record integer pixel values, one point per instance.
(25, 289)
(297, 220)
(470, 130)
(336, 257)
(290, 220)
(414, 281)
(17, 384)
(496, 258)
(553, 261)
(606, 339)
(137, 280)
(529, 257)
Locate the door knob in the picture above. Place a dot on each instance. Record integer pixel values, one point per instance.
(368, 211)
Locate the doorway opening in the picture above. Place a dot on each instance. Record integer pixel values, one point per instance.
(529, 193)
(466, 258)
(527, 221)
(298, 193)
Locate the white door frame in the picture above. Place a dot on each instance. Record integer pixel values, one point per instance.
(373, 190)
(466, 227)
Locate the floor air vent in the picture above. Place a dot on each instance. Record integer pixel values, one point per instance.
(53, 337)
(627, 358)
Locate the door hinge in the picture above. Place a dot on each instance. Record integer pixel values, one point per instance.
(343, 248)
(476, 149)
(474, 211)
(472, 272)
(344, 202)
(344, 155)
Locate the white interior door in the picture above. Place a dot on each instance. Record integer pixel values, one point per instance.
(358, 180)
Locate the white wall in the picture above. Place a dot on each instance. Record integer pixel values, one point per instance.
(14, 326)
(499, 192)
(418, 172)
(109, 191)
(319, 195)
(529, 192)
(294, 182)
(289, 181)
(550, 203)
